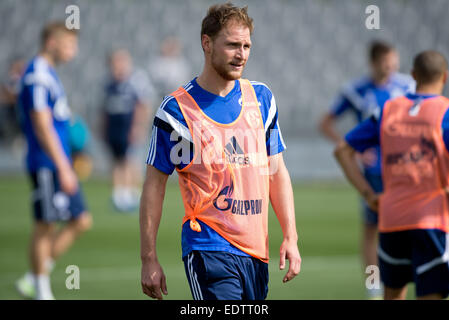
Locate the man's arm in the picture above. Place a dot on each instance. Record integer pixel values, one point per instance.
(281, 197)
(346, 157)
(43, 127)
(152, 276)
(327, 128)
(139, 125)
(328, 121)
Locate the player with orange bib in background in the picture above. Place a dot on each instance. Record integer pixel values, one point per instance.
(362, 98)
(221, 134)
(413, 132)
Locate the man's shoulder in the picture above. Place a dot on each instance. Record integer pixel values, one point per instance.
(402, 78)
(170, 105)
(359, 84)
(170, 118)
(139, 80)
(445, 100)
(261, 88)
(264, 96)
(36, 63)
(169, 108)
(38, 72)
(403, 81)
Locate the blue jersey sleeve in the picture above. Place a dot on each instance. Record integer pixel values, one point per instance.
(365, 135)
(268, 108)
(171, 144)
(158, 153)
(351, 98)
(36, 85)
(274, 141)
(35, 96)
(340, 106)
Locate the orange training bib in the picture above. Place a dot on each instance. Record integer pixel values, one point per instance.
(226, 185)
(415, 165)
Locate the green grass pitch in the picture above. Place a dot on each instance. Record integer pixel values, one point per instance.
(108, 256)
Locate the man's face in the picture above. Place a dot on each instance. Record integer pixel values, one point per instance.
(120, 65)
(65, 46)
(386, 65)
(229, 51)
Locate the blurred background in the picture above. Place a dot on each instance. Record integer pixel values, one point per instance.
(305, 51)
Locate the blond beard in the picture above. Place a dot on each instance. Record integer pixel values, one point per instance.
(221, 70)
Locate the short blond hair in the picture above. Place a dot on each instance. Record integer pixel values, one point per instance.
(52, 28)
(220, 14)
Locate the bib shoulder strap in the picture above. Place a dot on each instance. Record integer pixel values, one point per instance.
(249, 98)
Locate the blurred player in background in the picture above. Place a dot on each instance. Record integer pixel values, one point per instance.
(413, 132)
(224, 231)
(126, 113)
(169, 69)
(362, 98)
(9, 91)
(57, 195)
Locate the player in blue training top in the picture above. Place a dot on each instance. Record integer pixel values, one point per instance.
(362, 98)
(125, 113)
(56, 195)
(215, 268)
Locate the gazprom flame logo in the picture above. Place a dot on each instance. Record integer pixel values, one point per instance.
(225, 202)
(222, 202)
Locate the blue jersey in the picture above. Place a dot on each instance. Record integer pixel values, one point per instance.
(41, 89)
(364, 98)
(367, 134)
(170, 120)
(121, 98)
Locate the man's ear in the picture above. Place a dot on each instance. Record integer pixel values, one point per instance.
(206, 43)
(49, 44)
(445, 75)
(413, 74)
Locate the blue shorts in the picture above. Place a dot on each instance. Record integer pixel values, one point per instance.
(215, 275)
(117, 132)
(370, 217)
(119, 147)
(50, 203)
(419, 256)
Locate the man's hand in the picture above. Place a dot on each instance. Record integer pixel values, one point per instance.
(153, 280)
(289, 250)
(68, 180)
(152, 277)
(346, 157)
(372, 200)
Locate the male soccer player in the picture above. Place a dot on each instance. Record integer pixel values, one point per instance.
(223, 130)
(56, 193)
(413, 132)
(126, 112)
(362, 98)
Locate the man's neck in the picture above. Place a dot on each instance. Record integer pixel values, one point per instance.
(48, 57)
(380, 81)
(431, 89)
(211, 81)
